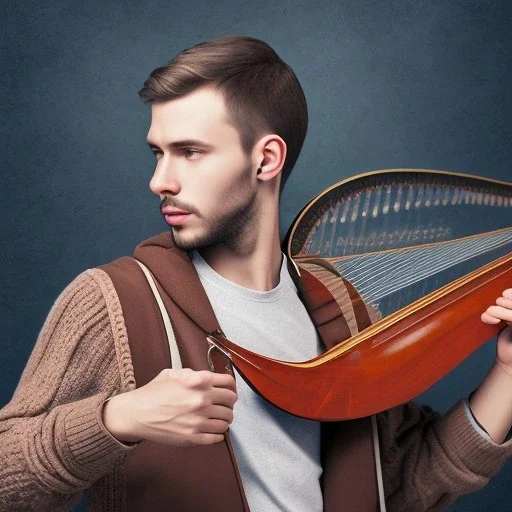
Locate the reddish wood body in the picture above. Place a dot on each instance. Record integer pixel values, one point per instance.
(394, 365)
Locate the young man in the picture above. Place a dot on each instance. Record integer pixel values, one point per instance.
(228, 122)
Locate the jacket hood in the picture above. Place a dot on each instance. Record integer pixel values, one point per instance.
(173, 270)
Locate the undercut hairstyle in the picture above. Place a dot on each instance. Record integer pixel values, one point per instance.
(261, 92)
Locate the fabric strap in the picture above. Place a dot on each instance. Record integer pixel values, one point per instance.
(173, 346)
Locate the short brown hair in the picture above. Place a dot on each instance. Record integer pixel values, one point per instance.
(261, 91)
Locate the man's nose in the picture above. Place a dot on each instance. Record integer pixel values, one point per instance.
(164, 180)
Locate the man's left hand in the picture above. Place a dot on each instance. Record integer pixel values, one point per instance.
(495, 314)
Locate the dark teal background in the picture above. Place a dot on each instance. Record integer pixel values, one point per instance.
(389, 84)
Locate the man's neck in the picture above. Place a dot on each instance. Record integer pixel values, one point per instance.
(257, 268)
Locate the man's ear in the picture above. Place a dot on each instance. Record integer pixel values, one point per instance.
(270, 155)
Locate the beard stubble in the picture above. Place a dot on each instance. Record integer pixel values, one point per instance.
(231, 227)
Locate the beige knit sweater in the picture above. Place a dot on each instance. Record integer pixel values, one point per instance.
(53, 444)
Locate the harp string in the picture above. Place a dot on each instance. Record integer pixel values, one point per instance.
(342, 228)
(406, 274)
(399, 237)
(369, 267)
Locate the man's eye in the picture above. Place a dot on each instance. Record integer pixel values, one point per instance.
(157, 154)
(190, 153)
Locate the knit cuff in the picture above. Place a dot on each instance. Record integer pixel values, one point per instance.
(467, 447)
(89, 450)
(472, 418)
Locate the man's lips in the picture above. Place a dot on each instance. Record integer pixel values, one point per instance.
(176, 220)
(171, 210)
(174, 216)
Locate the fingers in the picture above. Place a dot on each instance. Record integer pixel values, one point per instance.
(198, 389)
(205, 439)
(202, 389)
(504, 302)
(204, 379)
(501, 311)
(224, 380)
(210, 429)
(199, 379)
(225, 397)
(489, 319)
(217, 380)
(213, 426)
(217, 412)
(217, 420)
(185, 407)
(508, 293)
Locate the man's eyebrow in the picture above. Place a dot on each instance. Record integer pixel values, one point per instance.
(182, 143)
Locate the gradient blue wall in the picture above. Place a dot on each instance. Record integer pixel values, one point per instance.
(389, 84)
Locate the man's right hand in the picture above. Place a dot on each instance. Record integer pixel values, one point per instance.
(178, 407)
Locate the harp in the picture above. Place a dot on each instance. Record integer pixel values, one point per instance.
(419, 254)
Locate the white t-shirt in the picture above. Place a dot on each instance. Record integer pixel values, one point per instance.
(278, 454)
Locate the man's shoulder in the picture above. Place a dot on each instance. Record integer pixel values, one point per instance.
(90, 287)
(95, 286)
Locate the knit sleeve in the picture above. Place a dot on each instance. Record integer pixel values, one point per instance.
(429, 460)
(53, 443)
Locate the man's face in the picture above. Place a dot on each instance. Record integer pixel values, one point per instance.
(202, 169)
